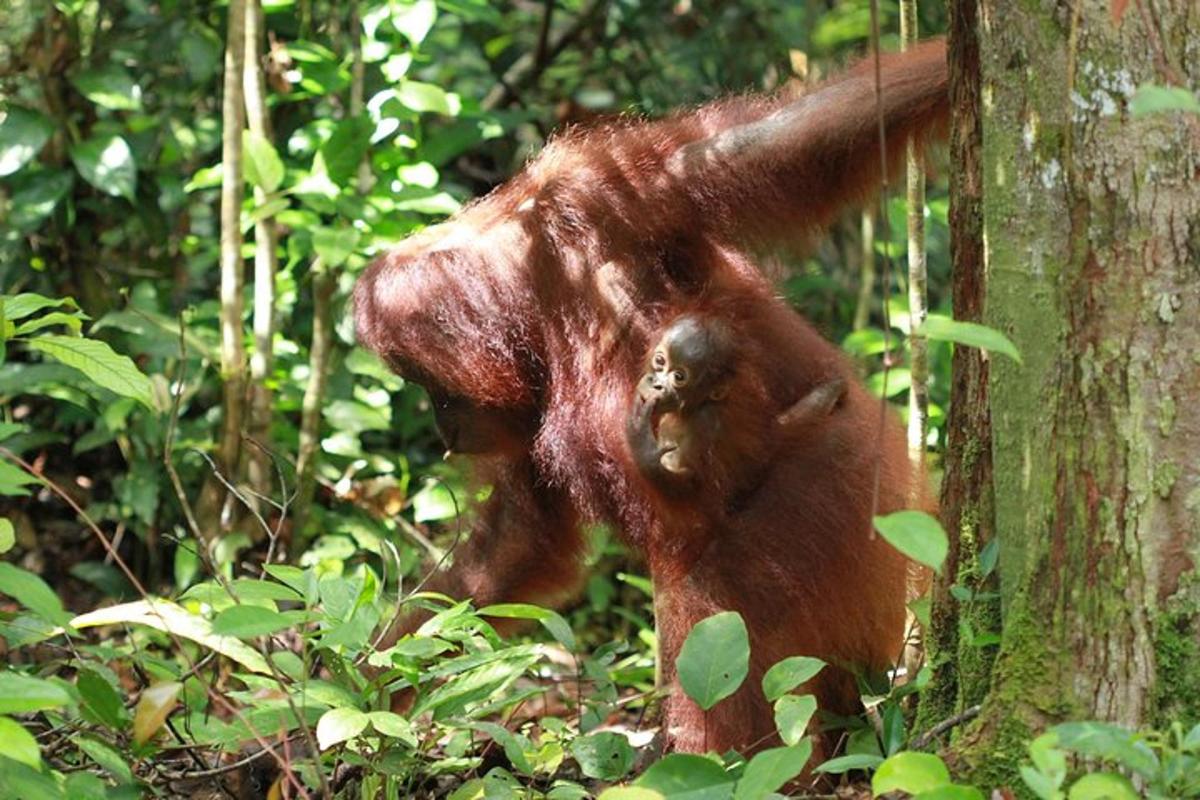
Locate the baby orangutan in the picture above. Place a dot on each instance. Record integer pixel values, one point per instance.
(696, 384)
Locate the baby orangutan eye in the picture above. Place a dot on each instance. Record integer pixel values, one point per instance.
(660, 360)
(680, 377)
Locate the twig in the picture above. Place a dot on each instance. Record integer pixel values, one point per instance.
(923, 741)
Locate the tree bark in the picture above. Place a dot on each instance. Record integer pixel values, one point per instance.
(918, 394)
(259, 474)
(1091, 222)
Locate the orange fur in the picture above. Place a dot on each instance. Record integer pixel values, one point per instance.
(536, 305)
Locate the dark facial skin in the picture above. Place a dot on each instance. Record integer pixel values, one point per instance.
(690, 365)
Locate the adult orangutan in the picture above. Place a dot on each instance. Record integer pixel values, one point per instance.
(528, 317)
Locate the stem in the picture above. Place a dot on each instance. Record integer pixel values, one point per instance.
(324, 282)
(918, 395)
(266, 265)
(233, 350)
(866, 282)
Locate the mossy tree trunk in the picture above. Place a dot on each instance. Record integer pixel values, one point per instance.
(1091, 264)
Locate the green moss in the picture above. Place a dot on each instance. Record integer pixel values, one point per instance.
(1165, 475)
(1177, 656)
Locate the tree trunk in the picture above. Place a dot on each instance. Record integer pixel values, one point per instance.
(1091, 225)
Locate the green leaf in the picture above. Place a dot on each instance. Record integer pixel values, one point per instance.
(910, 772)
(153, 707)
(917, 535)
(20, 781)
(1105, 740)
(604, 755)
(792, 715)
(32, 592)
(106, 162)
(552, 620)
(714, 659)
(944, 329)
(344, 150)
(951, 792)
(13, 479)
(771, 769)
(856, 761)
(8, 535)
(1040, 784)
(788, 674)
(164, 615)
(334, 245)
(1151, 99)
(111, 87)
(26, 304)
(23, 132)
(72, 321)
(514, 744)
(38, 197)
(680, 775)
(109, 759)
(988, 557)
(262, 164)
(426, 97)
(98, 361)
(413, 19)
(1103, 786)
(19, 744)
(247, 622)
(338, 725)
(393, 726)
(21, 694)
(101, 703)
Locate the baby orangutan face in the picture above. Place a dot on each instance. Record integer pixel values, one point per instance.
(691, 364)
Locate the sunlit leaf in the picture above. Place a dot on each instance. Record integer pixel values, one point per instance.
(111, 87)
(106, 162)
(714, 659)
(551, 620)
(21, 694)
(414, 18)
(1151, 99)
(338, 725)
(153, 708)
(1103, 786)
(910, 772)
(789, 673)
(98, 361)
(856, 761)
(917, 535)
(971, 334)
(164, 615)
(8, 535)
(603, 755)
(23, 132)
(771, 769)
(792, 715)
(249, 621)
(19, 744)
(684, 775)
(32, 592)
(262, 164)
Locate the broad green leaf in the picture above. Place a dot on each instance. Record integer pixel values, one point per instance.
(910, 772)
(153, 708)
(1040, 784)
(21, 694)
(32, 592)
(262, 165)
(514, 745)
(20, 306)
(857, 761)
(792, 715)
(8, 535)
(771, 769)
(85, 786)
(23, 132)
(789, 673)
(1105, 740)
(952, 792)
(604, 755)
(1151, 99)
(73, 322)
(414, 18)
(631, 793)
(345, 149)
(164, 615)
(1103, 786)
(338, 725)
(334, 245)
(109, 759)
(111, 87)
(393, 726)
(101, 703)
(100, 363)
(988, 557)
(106, 162)
(247, 622)
(20, 781)
(13, 480)
(944, 329)
(426, 97)
(714, 659)
(38, 197)
(917, 535)
(680, 775)
(552, 620)
(19, 744)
